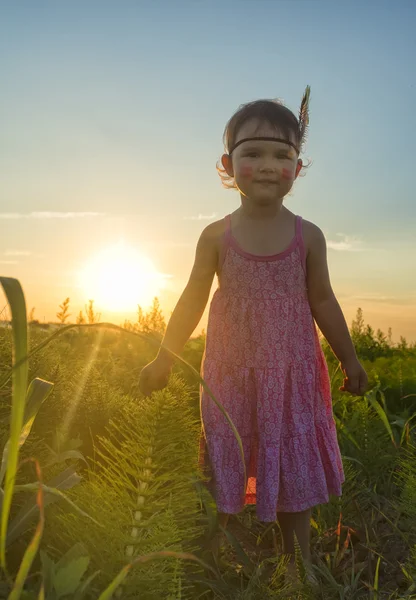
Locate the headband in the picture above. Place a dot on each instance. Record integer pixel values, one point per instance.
(303, 121)
(270, 139)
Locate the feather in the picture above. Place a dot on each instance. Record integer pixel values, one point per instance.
(304, 116)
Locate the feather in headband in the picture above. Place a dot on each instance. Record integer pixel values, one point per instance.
(304, 116)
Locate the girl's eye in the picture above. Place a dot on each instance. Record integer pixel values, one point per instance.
(252, 154)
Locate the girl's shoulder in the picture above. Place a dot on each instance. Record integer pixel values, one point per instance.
(313, 236)
(214, 232)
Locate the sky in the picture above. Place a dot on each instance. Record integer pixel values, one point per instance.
(111, 120)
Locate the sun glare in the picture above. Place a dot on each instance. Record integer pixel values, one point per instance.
(119, 278)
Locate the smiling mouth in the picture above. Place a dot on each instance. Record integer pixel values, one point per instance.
(269, 181)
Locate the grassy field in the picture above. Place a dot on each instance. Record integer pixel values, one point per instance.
(101, 495)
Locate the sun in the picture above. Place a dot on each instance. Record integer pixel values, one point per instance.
(119, 278)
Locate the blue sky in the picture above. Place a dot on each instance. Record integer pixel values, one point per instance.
(112, 117)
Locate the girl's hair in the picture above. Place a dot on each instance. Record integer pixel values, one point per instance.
(269, 111)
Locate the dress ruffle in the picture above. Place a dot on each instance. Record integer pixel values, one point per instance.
(292, 457)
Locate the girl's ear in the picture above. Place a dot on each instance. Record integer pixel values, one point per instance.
(299, 166)
(227, 163)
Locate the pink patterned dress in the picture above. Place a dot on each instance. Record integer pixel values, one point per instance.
(264, 363)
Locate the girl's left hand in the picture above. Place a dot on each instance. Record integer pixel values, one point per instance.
(355, 378)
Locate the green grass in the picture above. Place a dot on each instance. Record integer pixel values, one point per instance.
(116, 503)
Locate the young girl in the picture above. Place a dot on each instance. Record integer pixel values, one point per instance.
(263, 360)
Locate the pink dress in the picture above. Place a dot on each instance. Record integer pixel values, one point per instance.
(264, 363)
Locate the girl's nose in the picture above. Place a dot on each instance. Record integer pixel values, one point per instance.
(268, 166)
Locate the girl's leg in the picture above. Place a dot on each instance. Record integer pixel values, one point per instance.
(298, 523)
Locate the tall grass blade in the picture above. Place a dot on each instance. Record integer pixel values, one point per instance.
(16, 300)
(33, 547)
(375, 596)
(80, 593)
(210, 507)
(241, 554)
(64, 481)
(406, 426)
(37, 393)
(29, 487)
(345, 431)
(372, 398)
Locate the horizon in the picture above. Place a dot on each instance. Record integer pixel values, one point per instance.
(200, 329)
(112, 120)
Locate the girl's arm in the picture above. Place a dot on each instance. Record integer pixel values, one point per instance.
(327, 312)
(192, 303)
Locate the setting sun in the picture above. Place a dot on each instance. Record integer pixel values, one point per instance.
(119, 278)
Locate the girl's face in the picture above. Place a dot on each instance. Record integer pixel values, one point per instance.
(263, 170)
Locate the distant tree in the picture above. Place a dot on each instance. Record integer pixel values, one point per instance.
(152, 321)
(368, 343)
(127, 325)
(80, 320)
(389, 337)
(92, 316)
(357, 326)
(381, 338)
(63, 314)
(31, 317)
(384, 342)
(402, 345)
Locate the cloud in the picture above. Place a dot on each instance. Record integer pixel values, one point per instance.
(406, 299)
(50, 215)
(201, 217)
(347, 244)
(17, 253)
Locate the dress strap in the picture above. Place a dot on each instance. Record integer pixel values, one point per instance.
(301, 242)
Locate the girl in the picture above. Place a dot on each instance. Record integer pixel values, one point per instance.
(263, 360)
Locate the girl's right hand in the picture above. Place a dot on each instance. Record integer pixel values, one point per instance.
(155, 376)
(355, 378)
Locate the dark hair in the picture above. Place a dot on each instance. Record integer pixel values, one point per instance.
(269, 111)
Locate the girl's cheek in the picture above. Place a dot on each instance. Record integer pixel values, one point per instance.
(287, 174)
(246, 172)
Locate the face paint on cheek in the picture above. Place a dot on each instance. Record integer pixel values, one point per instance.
(287, 174)
(246, 171)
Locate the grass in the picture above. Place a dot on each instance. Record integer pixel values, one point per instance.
(134, 482)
